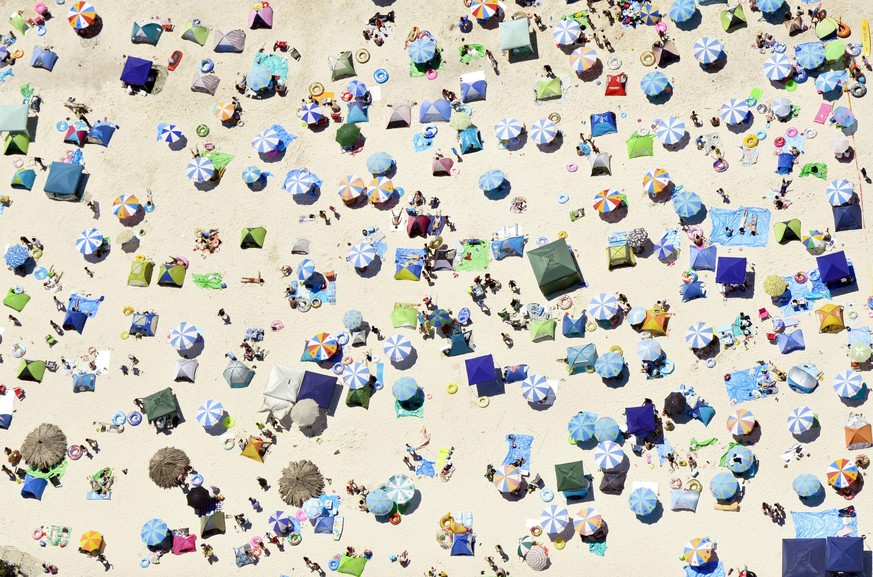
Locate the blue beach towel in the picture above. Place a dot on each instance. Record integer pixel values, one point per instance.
(812, 289)
(744, 384)
(420, 143)
(664, 449)
(822, 524)
(733, 219)
(425, 468)
(705, 571)
(520, 450)
(859, 335)
(285, 137)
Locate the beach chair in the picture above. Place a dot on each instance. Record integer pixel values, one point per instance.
(763, 314)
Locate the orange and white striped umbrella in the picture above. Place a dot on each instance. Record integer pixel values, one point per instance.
(587, 521)
(223, 110)
(842, 473)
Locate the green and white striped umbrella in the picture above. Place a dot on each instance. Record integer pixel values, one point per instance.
(400, 489)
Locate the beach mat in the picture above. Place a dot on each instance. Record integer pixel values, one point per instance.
(521, 449)
(743, 385)
(705, 570)
(812, 287)
(822, 524)
(722, 218)
(92, 496)
(425, 468)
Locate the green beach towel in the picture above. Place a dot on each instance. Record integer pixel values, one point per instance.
(220, 159)
(477, 51)
(473, 257)
(211, 280)
(724, 457)
(581, 17)
(821, 172)
(695, 444)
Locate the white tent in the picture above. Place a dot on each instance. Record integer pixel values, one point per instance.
(281, 391)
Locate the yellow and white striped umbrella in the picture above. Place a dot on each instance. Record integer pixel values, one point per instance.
(507, 478)
(125, 206)
(380, 190)
(698, 551)
(741, 422)
(587, 521)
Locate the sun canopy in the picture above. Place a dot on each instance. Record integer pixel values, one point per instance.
(554, 267)
(13, 118)
(136, 71)
(233, 41)
(43, 58)
(515, 35)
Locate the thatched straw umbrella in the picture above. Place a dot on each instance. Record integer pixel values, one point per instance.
(44, 447)
(301, 480)
(166, 466)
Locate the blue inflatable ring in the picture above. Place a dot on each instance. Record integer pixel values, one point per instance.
(333, 564)
(62, 125)
(134, 418)
(197, 480)
(144, 563)
(119, 419)
(668, 367)
(149, 207)
(563, 199)
(751, 101)
(762, 135)
(206, 65)
(801, 75)
(547, 495)
(380, 76)
(430, 131)
(378, 385)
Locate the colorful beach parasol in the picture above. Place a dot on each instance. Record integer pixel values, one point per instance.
(223, 110)
(251, 174)
(535, 388)
(89, 241)
(587, 521)
(507, 478)
(281, 522)
(398, 348)
(842, 473)
(543, 131)
(840, 191)
(699, 335)
(806, 485)
(607, 201)
(735, 111)
(183, 336)
(566, 32)
(603, 306)
(322, 346)
(707, 50)
(483, 9)
(380, 190)
(351, 188)
(379, 163)
(698, 551)
(642, 501)
(848, 384)
(126, 206)
(81, 15)
(654, 83)
(153, 532)
(266, 141)
(606, 429)
(210, 413)
(200, 169)
(583, 59)
(311, 113)
(554, 519)
(508, 128)
(305, 270)
(170, 133)
(608, 455)
(581, 426)
(778, 67)
(671, 132)
(379, 503)
(741, 422)
(361, 255)
(356, 376)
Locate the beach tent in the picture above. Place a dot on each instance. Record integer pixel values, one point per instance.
(238, 375)
(261, 16)
(74, 321)
(6, 404)
(254, 449)
(513, 246)
(205, 83)
(171, 275)
(804, 557)
(136, 71)
(554, 267)
(283, 387)
(184, 543)
(357, 113)
(351, 565)
(16, 301)
(83, 383)
(692, 290)
(233, 41)
(140, 273)
(731, 270)
(640, 420)
(703, 258)
(185, 370)
(570, 478)
(473, 91)
(17, 143)
(826, 27)
(146, 33)
(515, 36)
(417, 226)
(101, 133)
(848, 217)
(844, 555)
(23, 178)
(43, 58)
(13, 117)
(603, 123)
(144, 324)
(435, 111)
(480, 370)
(581, 359)
(404, 316)
(803, 378)
(76, 135)
(444, 259)
(542, 330)
(63, 181)
(460, 343)
(788, 343)
(462, 545)
(830, 318)
(601, 164)
(618, 256)
(342, 66)
(253, 237)
(787, 231)
(399, 116)
(32, 371)
(784, 163)
(212, 524)
(859, 433)
(548, 88)
(639, 146)
(33, 487)
(195, 32)
(733, 18)
(571, 327)
(19, 22)
(615, 85)
(359, 397)
(665, 53)
(159, 405)
(470, 140)
(834, 267)
(318, 387)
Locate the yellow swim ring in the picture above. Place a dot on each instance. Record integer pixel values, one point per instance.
(482, 402)
(751, 141)
(616, 349)
(562, 234)
(560, 543)
(452, 388)
(140, 258)
(127, 311)
(536, 530)
(124, 335)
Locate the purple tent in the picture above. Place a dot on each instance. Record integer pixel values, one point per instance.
(318, 387)
(261, 17)
(480, 370)
(640, 420)
(731, 270)
(136, 71)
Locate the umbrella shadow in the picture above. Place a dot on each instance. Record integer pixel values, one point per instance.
(27, 268)
(533, 54)
(814, 500)
(717, 66)
(856, 401)
(691, 23)
(614, 216)
(133, 220)
(307, 199)
(179, 145)
(218, 428)
(371, 269)
(744, 126)
(93, 30)
(208, 185)
(592, 73)
(698, 218)
(500, 192)
(660, 99)
(195, 351)
(676, 148)
(274, 156)
(519, 143)
(99, 255)
(388, 204)
(621, 380)
(809, 436)
(413, 503)
(752, 438)
(32, 125)
(317, 428)
(553, 146)
(654, 516)
(406, 363)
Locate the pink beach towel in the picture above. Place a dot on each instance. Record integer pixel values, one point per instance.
(824, 112)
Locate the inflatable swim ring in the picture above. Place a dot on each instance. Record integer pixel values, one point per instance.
(591, 326)
(800, 277)
(761, 135)
(430, 131)
(536, 530)
(447, 521)
(202, 130)
(616, 349)
(853, 315)
(380, 75)
(647, 58)
(727, 377)
(668, 367)
(315, 302)
(810, 133)
(394, 518)
(858, 90)
(676, 483)
(295, 538)
(710, 362)
(571, 440)
(62, 125)
(134, 418)
(41, 273)
(452, 388)
(127, 311)
(542, 241)
(762, 108)
(140, 258)
(379, 384)
(565, 302)
(843, 31)
(333, 564)
(431, 74)
(752, 101)
(614, 63)
(559, 543)
(694, 485)
(75, 452)
(642, 131)
(316, 89)
(750, 141)
(572, 167)
(18, 53)
(119, 418)
(38, 534)
(197, 480)
(303, 305)
(18, 350)
(277, 325)
(346, 96)
(18, 289)
(125, 335)
(563, 199)
(228, 422)
(482, 402)
(338, 368)
(791, 132)
(720, 165)
(555, 117)
(362, 55)
(455, 171)
(547, 495)
(779, 142)
(229, 444)
(144, 563)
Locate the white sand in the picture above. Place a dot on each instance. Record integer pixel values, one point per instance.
(371, 444)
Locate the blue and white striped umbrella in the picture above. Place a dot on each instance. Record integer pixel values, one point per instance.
(609, 365)
(421, 50)
(665, 249)
(781, 107)
(740, 459)
(311, 113)
(800, 420)
(778, 67)
(300, 181)
(491, 180)
(654, 83)
(170, 133)
(543, 131)
(671, 131)
(398, 348)
(828, 81)
(581, 426)
(724, 486)
(649, 350)
(848, 384)
(404, 388)
(840, 191)
(636, 315)
(642, 501)
(554, 519)
(379, 503)
(606, 429)
(810, 55)
(535, 388)
(210, 413)
(603, 307)
(362, 254)
(735, 111)
(183, 336)
(251, 174)
(89, 241)
(699, 335)
(358, 89)
(566, 32)
(200, 169)
(608, 455)
(707, 50)
(305, 270)
(266, 141)
(259, 77)
(153, 532)
(379, 163)
(686, 203)
(356, 376)
(281, 522)
(770, 6)
(807, 485)
(682, 10)
(508, 128)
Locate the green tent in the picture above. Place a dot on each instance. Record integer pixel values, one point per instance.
(620, 256)
(549, 88)
(146, 33)
(13, 118)
(17, 143)
(253, 237)
(404, 316)
(543, 330)
(140, 273)
(15, 300)
(19, 22)
(571, 476)
(160, 404)
(31, 370)
(826, 27)
(834, 50)
(733, 18)
(515, 35)
(787, 231)
(195, 33)
(347, 135)
(638, 146)
(359, 397)
(554, 267)
(23, 178)
(171, 275)
(342, 67)
(352, 565)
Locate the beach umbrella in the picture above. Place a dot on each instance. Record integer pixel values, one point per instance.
(492, 180)
(356, 376)
(740, 459)
(778, 67)
(353, 319)
(167, 465)
(381, 189)
(16, 255)
(537, 558)
(357, 88)
(649, 350)
(781, 107)
(665, 249)
(581, 426)
(603, 307)
(724, 486)
(460, 120)
(259, 78)
(362, 254)
(735, 111)
(311, 113)
(642, 501)
(608, 455)
(554, 519)
(587, 521)
(405, 389)
(860, 352)
(81, 15)
(698, 551)
(843, 116)
(351, 188)
(830, 80)
(223, 110)
(125, 206)
(566, 32)
(305, 412)
(483, 9)
(707, 50)
(301, 480)
(507, 478)
(305, 270)
(322, 346)
(806, 485)
(347, 135)
(90, 541)
(842, 473)
(379, 163)
(421, 50)
(200, 169)
(649, 15)
(741, 422)
(198, 498)
(210, 413)
(525, 544)
(770, 6)
(379, 503)
(440, 318)
(698, 335)
(654, 83)
(313, 507)
(671, 132)
(636, 316)
(535, 388)
(848, 384)
(508, 128)
(813, 241)
(398, 348)
(170, 133)
(606, 429)
(266, 141)
(607, 201)
(400, 489)
(300, 181)
(656, 181)
(810, 55)
(682, 10)
(281, 522)
(840, 191)
(154, 532)
(543, 131)
(687, 204)
(251, 174)
(44, 447)
(183, 336)
(583, 59)
(89, 241)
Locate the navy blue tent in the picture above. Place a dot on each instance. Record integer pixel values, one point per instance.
(845, 554)
(692, 291)
(571, 327)
(144, 324)
(791, 342)
(43, 58)
(603, 123)
(33, 487)
(470, 140)
(318, 387)
(436, 111)
(784, 163)
(803, 557)
(515, 373)
(63, 181)
(136, 71)
(640, 420)
(507, 247)
(847, 217)
(82, 383)
(462, 544)
(471, 91)
(101, 133)
(703, 258)
(75, 320)
(731, 270)
(480, 370)
(834, 267)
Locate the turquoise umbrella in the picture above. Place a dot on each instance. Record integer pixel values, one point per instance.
(379, 163)
(440, 318)
(606, 429)
(379, 503)
(807, 485)
(154, 532)
(609, 365)
(643, 501)
(682, 10)
(491, 180)
(740, 459)
(259, 78)
(404, 388)
(687, 204)
(724, 486)
(581, 426)
(421, 50)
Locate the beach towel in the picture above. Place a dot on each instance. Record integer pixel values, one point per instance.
(821, 170)
(476, 51)
(597, 547)
(380, 372)
(811, 289)
(210, 280)
(859, 335)
(823, 524)
(277, 65)
(798, 142)
(519, 448)
(664, 449)
(735, 219)
(705, 571)
(824, 112)
(443, 457)
(285, 137)
(420, 143)
(743, 385)
(473, 256)
(694, 444)
(424, 468)
(84, 304)
(401, 411)
(92, 496)
(750, 156)
(617, 239)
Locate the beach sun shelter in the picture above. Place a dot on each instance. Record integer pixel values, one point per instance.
(844, 555)
(171, 275)
(834, 268)
(253, 237)
(195, 32)
(731, 270)
(830, 318)
(144, 324)
(233, 41)
(43, 58)
(136, 71)
(238, 375)
(787, 231)
(515, 36)
(548, 88)
(733, 18)
(480, 370)
(185, 370)
(342, 66)
(31, 370)
(848, 217)
(13, 118)
(639, 146)
(160, 405)
(64, 181)
(23, 178)
(83, 383)
(603, 123)
(399, 116)
(618, 256)
(261, 16)
(601, 164)
(254, 449)
(17, 143)
(212, 524)
(318, 387)
(571, 480)
(205, 83)
(581, 359)
(140, 273)
(16, 300)
(146, 33)
(554, 267)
